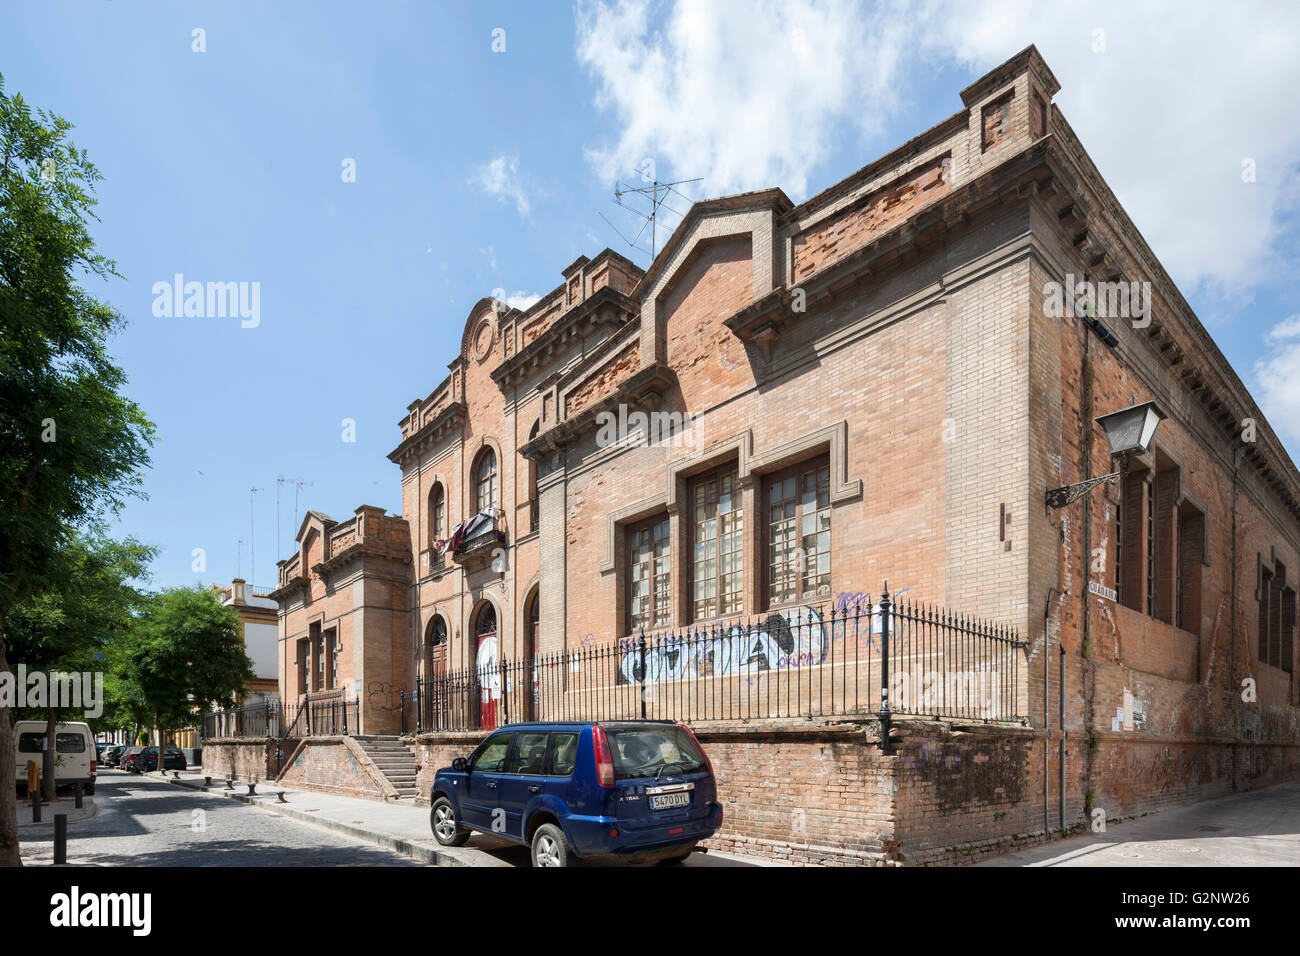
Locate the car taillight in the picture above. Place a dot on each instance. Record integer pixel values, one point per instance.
(707, 762)
(93, 765)
(604, 759)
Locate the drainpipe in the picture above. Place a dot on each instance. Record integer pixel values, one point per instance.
(1085, 537)
(1047, 612)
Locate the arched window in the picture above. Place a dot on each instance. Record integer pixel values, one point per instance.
(437, 514)
(485, 477)
(486, 623)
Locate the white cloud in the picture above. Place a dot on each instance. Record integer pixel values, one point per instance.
(1278, 377)
(751, 95)
(522, 300)
(744, 95)
(500, 178)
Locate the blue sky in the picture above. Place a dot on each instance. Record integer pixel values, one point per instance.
(479, 170)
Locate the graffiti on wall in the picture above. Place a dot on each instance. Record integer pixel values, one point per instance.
(791, 639)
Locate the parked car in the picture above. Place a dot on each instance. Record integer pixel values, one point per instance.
(129, 757)
(75, 760)
(147, 759)
(635, 790)
(111, 755)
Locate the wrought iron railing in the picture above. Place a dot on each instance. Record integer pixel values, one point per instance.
(810, 661)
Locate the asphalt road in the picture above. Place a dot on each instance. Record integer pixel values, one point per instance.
(141, 821)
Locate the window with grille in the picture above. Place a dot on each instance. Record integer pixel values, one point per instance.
(799, 534)
(649, 575)
(717, 580)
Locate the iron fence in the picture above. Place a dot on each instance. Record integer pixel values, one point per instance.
(322, 716)
(263, 719)
(812, 661)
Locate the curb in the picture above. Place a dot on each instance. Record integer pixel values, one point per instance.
(413, 851)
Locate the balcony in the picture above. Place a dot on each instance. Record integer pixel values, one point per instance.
(476, 541)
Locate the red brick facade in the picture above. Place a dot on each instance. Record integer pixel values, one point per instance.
(894, 333)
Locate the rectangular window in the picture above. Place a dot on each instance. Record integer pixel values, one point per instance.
(1265, 588)
(1130, 535)
(1275, 615)
(1288, 630)
(799, 534)
(1191, 555)
(718, 573)
(1166, 505)
(649, 571)
(564, 752)
(1151, 548)
(302, 667)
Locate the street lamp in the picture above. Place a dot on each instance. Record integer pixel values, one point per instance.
(1128, 430)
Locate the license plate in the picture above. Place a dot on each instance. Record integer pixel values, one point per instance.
(668, 800)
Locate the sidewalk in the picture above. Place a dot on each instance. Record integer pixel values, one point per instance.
(48, 810)
(401, 826)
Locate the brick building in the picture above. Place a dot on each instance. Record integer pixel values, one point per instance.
(876, 383)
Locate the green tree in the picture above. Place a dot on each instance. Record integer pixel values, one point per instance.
(71, 446)
(71, 624)
(186, 654)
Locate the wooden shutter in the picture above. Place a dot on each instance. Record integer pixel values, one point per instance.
(1288, 630)
(1134, 539)
(1265, 587)
(1191, 554)
(1166, 499)
(1276, 579)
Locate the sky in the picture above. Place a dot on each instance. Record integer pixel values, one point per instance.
(377, 168)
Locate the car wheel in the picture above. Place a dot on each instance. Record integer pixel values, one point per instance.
(550, 848)
(442, 820)
(675, 860)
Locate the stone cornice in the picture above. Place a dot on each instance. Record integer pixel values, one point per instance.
(450, 419)
(606, 306)
(643, 389)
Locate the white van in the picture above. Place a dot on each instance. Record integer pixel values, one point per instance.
(75, 760)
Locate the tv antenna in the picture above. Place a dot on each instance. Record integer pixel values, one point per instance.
(633, 198)
(298, 485)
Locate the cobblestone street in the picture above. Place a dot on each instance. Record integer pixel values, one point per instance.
(144, 821)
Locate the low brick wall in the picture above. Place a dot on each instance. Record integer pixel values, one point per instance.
(242, 758)
(823, 793)
(335, 765)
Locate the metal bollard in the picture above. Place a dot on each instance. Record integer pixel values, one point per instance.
(207, 781)
(76, 791)
(36, 806)
(230, 783)
(279, 797)
(252, 788)
(60, 838)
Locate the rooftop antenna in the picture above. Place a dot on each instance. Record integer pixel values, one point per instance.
(239, 561)
(657, 193)
(280, 482)
(252, 553)
(298, 486)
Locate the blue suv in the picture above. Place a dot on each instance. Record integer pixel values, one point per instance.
(637, 790)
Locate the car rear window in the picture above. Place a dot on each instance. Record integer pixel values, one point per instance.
(32, 743)
(650, 751)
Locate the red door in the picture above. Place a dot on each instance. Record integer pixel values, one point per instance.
(487, 663)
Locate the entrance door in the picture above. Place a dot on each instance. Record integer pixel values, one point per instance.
(487, 662)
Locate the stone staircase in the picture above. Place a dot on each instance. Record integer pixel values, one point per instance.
(395, 761)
